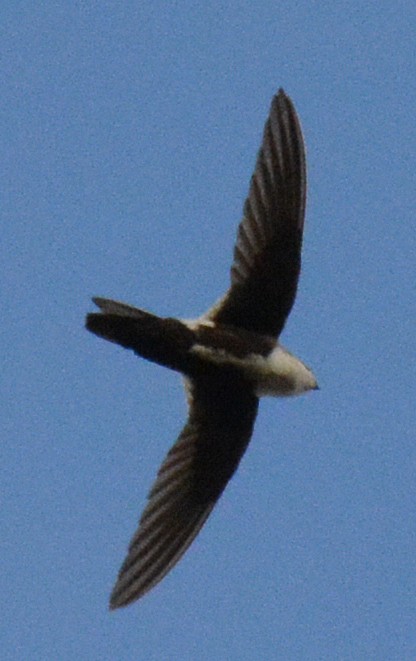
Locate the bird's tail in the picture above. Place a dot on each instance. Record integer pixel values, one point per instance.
(162, 340)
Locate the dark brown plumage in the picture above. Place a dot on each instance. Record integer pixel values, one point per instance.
(229, 356)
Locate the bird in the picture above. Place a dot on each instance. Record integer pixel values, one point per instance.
(229, 357)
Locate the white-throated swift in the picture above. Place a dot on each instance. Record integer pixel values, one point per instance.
(229, 357)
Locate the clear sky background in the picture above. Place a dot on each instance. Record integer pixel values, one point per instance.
(129, 132)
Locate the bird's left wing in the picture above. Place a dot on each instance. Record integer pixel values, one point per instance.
(190, 481)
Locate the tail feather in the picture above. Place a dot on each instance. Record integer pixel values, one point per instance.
(107, 305)
(162, 340)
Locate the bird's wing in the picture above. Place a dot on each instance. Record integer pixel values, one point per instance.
(190, 481)
(267, 254)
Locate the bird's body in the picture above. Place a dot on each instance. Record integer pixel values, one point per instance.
(229, 357)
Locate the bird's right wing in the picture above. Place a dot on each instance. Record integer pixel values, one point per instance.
(190, 481)
(267, 254)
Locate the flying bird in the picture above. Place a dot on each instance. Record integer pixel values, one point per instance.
(229, 357)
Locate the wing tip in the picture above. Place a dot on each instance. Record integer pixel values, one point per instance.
(123, 594)
(282, 101)
(118, 600)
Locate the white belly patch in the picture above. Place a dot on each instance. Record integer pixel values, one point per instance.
(279, 374)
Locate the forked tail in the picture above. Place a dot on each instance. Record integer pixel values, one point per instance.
(162, 340)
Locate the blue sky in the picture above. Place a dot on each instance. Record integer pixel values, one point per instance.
(128, 136)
